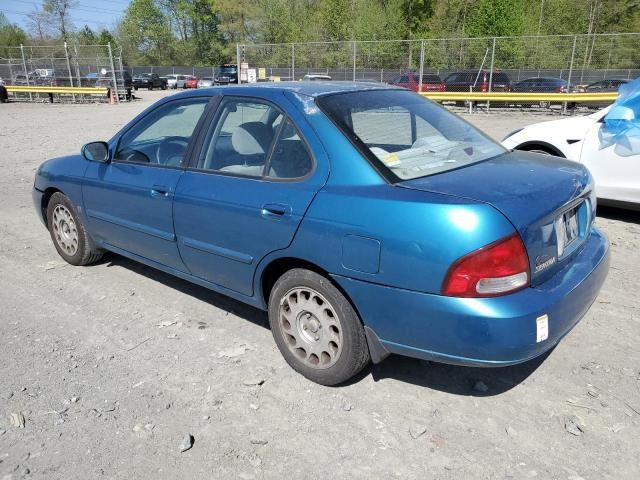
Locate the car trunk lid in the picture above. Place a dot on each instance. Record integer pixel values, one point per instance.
(546, 199)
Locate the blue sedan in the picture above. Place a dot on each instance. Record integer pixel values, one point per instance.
(364, 218)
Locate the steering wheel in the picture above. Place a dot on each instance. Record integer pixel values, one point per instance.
(171, 151)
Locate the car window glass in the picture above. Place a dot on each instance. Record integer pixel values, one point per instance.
(162, 136)
(372, 125)
(290, 157)
(241, 138)
(404, 79)
(380, 123)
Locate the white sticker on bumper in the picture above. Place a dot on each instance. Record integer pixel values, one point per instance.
(542, 328)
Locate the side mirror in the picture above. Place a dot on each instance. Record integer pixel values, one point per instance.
(96, 152)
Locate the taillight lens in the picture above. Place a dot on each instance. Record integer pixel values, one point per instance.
(497, 269)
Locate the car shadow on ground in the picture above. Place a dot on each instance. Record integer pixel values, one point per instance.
(454, 379)
(457, 380)
(214, 299)
(620, 214)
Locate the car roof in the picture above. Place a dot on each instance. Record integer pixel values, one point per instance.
(313, 89)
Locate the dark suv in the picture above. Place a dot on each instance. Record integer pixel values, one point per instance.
(226, 74)
(150, 81)
(472, 81)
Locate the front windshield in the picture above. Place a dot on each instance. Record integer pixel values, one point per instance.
(228, 70)
(406, 134)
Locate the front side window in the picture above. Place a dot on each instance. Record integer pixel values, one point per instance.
(406, 135)
(162, 136)
(254, 139)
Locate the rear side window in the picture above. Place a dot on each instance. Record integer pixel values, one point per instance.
(254, 139)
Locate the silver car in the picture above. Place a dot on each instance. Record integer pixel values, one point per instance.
(205, 82)
(176, 81)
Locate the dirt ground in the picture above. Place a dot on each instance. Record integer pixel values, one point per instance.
(111, 366)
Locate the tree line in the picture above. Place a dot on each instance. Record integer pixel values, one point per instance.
(205, 32)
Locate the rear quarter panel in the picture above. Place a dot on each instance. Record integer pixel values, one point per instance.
(419, 234)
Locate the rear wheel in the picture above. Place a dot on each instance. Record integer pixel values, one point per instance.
(68, 233)
(316, 329)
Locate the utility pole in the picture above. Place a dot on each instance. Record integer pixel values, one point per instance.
(540, 20)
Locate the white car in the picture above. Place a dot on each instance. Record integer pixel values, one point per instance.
(176, 81)
(615, 167)
(206, 82)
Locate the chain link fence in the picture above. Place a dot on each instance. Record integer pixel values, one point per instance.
(534, 64)
(62, 65)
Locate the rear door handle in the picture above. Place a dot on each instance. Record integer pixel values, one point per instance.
(276, 210)
(159, 191)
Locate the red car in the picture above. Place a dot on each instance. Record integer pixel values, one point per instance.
(411, 80)
(191, 82)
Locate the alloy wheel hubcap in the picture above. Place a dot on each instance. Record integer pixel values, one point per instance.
(311, 328)
(65, 230)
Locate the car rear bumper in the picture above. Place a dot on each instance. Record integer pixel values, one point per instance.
(489, 332)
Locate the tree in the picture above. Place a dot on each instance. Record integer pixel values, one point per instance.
(40, 24)
(11, 36)
(86, 36)
(146, 35)
(60, 10)
(497, 18)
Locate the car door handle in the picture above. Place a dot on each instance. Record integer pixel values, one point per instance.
(159, 191)
(275, 210)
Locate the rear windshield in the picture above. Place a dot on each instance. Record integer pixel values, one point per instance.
(405, 135)
(431, 79)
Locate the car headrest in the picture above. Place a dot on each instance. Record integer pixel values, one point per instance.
(251, 138)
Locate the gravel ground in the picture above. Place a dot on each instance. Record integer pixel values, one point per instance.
(104, 370)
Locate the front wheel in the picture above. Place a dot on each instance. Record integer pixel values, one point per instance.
(68, 233)
(316, 329)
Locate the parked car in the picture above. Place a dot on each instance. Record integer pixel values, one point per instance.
(542, 85)
(610, 85)
(206, 82)
(365, 219)
(475, 81)
(602, 86)
(150, 81)
(226, 74)
(411, 80)
(176, 81)
(578, 139)
(316, 77)
(21, 79)
(191, 82)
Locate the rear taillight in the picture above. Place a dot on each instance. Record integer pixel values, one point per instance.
(497, 269)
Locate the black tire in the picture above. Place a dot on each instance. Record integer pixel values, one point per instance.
(163, 87)
(83, 254)
(353, 353)
(150, 87)
(135, 88)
